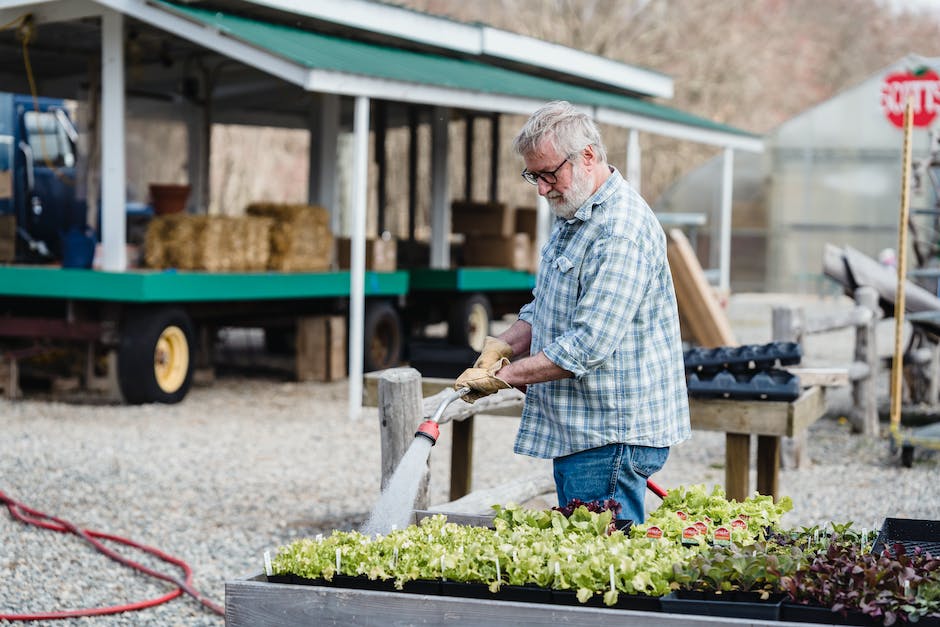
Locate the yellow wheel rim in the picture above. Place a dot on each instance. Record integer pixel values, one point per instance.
(171, 359)
(478, 326)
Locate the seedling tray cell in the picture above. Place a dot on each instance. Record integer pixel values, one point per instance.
(911, 533)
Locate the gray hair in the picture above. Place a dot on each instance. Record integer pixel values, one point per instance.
(566, 129)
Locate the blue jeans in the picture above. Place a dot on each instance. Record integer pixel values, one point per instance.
(614, 471)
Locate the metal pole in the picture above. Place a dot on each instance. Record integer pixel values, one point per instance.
(727, 182)
(113, 170)
(633, 159)
(357, 254)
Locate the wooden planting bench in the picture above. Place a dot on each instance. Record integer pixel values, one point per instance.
(253, 602)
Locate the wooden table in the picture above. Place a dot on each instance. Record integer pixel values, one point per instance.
(769, 420)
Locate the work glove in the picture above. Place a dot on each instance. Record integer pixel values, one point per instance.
(482, 381)
(494, 350)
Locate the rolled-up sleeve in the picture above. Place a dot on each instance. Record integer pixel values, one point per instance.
(612, 285)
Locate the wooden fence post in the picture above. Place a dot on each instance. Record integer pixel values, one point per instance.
(864, 399)
(401, 407)
(787, 326)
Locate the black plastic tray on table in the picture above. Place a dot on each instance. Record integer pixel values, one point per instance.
(743, 358)
(727, 605)
(910, 532)
(764, 385)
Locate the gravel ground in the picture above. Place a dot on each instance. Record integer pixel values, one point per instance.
(249, 464)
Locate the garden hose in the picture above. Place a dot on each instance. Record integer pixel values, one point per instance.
(31, 516)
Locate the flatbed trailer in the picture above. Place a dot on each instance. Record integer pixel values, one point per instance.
(154, 322)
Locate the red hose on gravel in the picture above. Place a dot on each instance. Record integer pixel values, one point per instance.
(33, 517)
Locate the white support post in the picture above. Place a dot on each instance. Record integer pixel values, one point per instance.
(324, 138)
(727, 183)
(633, 159)
(440, 191)
(113, 173)
(357, 268)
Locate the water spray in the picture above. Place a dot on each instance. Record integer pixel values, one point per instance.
(430, 428)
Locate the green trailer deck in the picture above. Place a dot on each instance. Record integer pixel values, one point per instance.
(470, 280)
(154, 286)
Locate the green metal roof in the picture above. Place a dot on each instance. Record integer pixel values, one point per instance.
(153, 286)
(319, 51)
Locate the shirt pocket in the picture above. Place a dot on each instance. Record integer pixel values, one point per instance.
(566, 285)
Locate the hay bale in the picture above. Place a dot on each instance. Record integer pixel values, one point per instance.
(300, 236)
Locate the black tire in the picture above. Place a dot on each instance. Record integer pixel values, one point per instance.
(155, 356)
(469, 321)
(907, 455)
(382, 337)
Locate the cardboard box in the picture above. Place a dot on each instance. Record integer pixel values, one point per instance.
(321, 348)
(527, 221)
(7, 238)
(479, 218)
(381, 254)
(514, 251)
(6, 183)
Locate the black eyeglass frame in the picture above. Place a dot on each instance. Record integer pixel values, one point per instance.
(548, 177)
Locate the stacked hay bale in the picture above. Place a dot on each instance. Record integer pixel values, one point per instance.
(284, 237)
(301, 239)
(212, 243)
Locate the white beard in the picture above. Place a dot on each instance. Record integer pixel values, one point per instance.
(565, 206)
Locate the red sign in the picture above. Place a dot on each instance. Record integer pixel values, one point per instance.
(922, 87)
(654, 532)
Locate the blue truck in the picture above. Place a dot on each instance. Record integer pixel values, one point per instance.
(38, 176)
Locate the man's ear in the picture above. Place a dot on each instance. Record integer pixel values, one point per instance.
(588, 155)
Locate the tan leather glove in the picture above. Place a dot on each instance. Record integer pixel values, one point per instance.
(481, 381)
(494, 349)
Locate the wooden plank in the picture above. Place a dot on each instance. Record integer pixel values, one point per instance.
(461, 458)
(504, 403)
(737, 465)
(260, 604)
(699, 310)
(764, 417)
(399, 406)
(759, 417)
(768, 464)
(823, 377)
(480, 502)
(804, 411)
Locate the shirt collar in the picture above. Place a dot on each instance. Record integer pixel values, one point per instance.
(603, 192)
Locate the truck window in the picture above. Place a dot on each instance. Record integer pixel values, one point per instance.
(49, 141)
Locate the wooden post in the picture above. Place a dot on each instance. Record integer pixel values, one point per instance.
(768, 462)
(400, 411)
(461, 457)
(787, 326)
(864, 398)
(737, 465)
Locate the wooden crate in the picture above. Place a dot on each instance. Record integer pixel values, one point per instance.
(7, 238)
(321, 348)
(498, 251)
(482, 218)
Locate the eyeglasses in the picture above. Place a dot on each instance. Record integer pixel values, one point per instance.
(548, 177)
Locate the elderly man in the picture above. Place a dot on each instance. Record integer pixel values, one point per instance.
(598, 350)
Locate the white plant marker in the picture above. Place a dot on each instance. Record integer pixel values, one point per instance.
(612, 585)
(268, 569)
(338, 554)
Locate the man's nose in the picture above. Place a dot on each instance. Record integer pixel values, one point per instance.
(544, 187)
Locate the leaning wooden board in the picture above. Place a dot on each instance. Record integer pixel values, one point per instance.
(699, 311)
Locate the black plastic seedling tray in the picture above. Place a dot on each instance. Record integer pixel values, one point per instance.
(911, 533)
(728, 605)
(765, 385)
(742, 358)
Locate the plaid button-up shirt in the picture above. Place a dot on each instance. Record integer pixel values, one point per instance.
(604, 308)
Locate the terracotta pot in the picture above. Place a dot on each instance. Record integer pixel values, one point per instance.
(168, 198)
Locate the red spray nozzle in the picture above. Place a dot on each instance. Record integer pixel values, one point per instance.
(430, 430)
